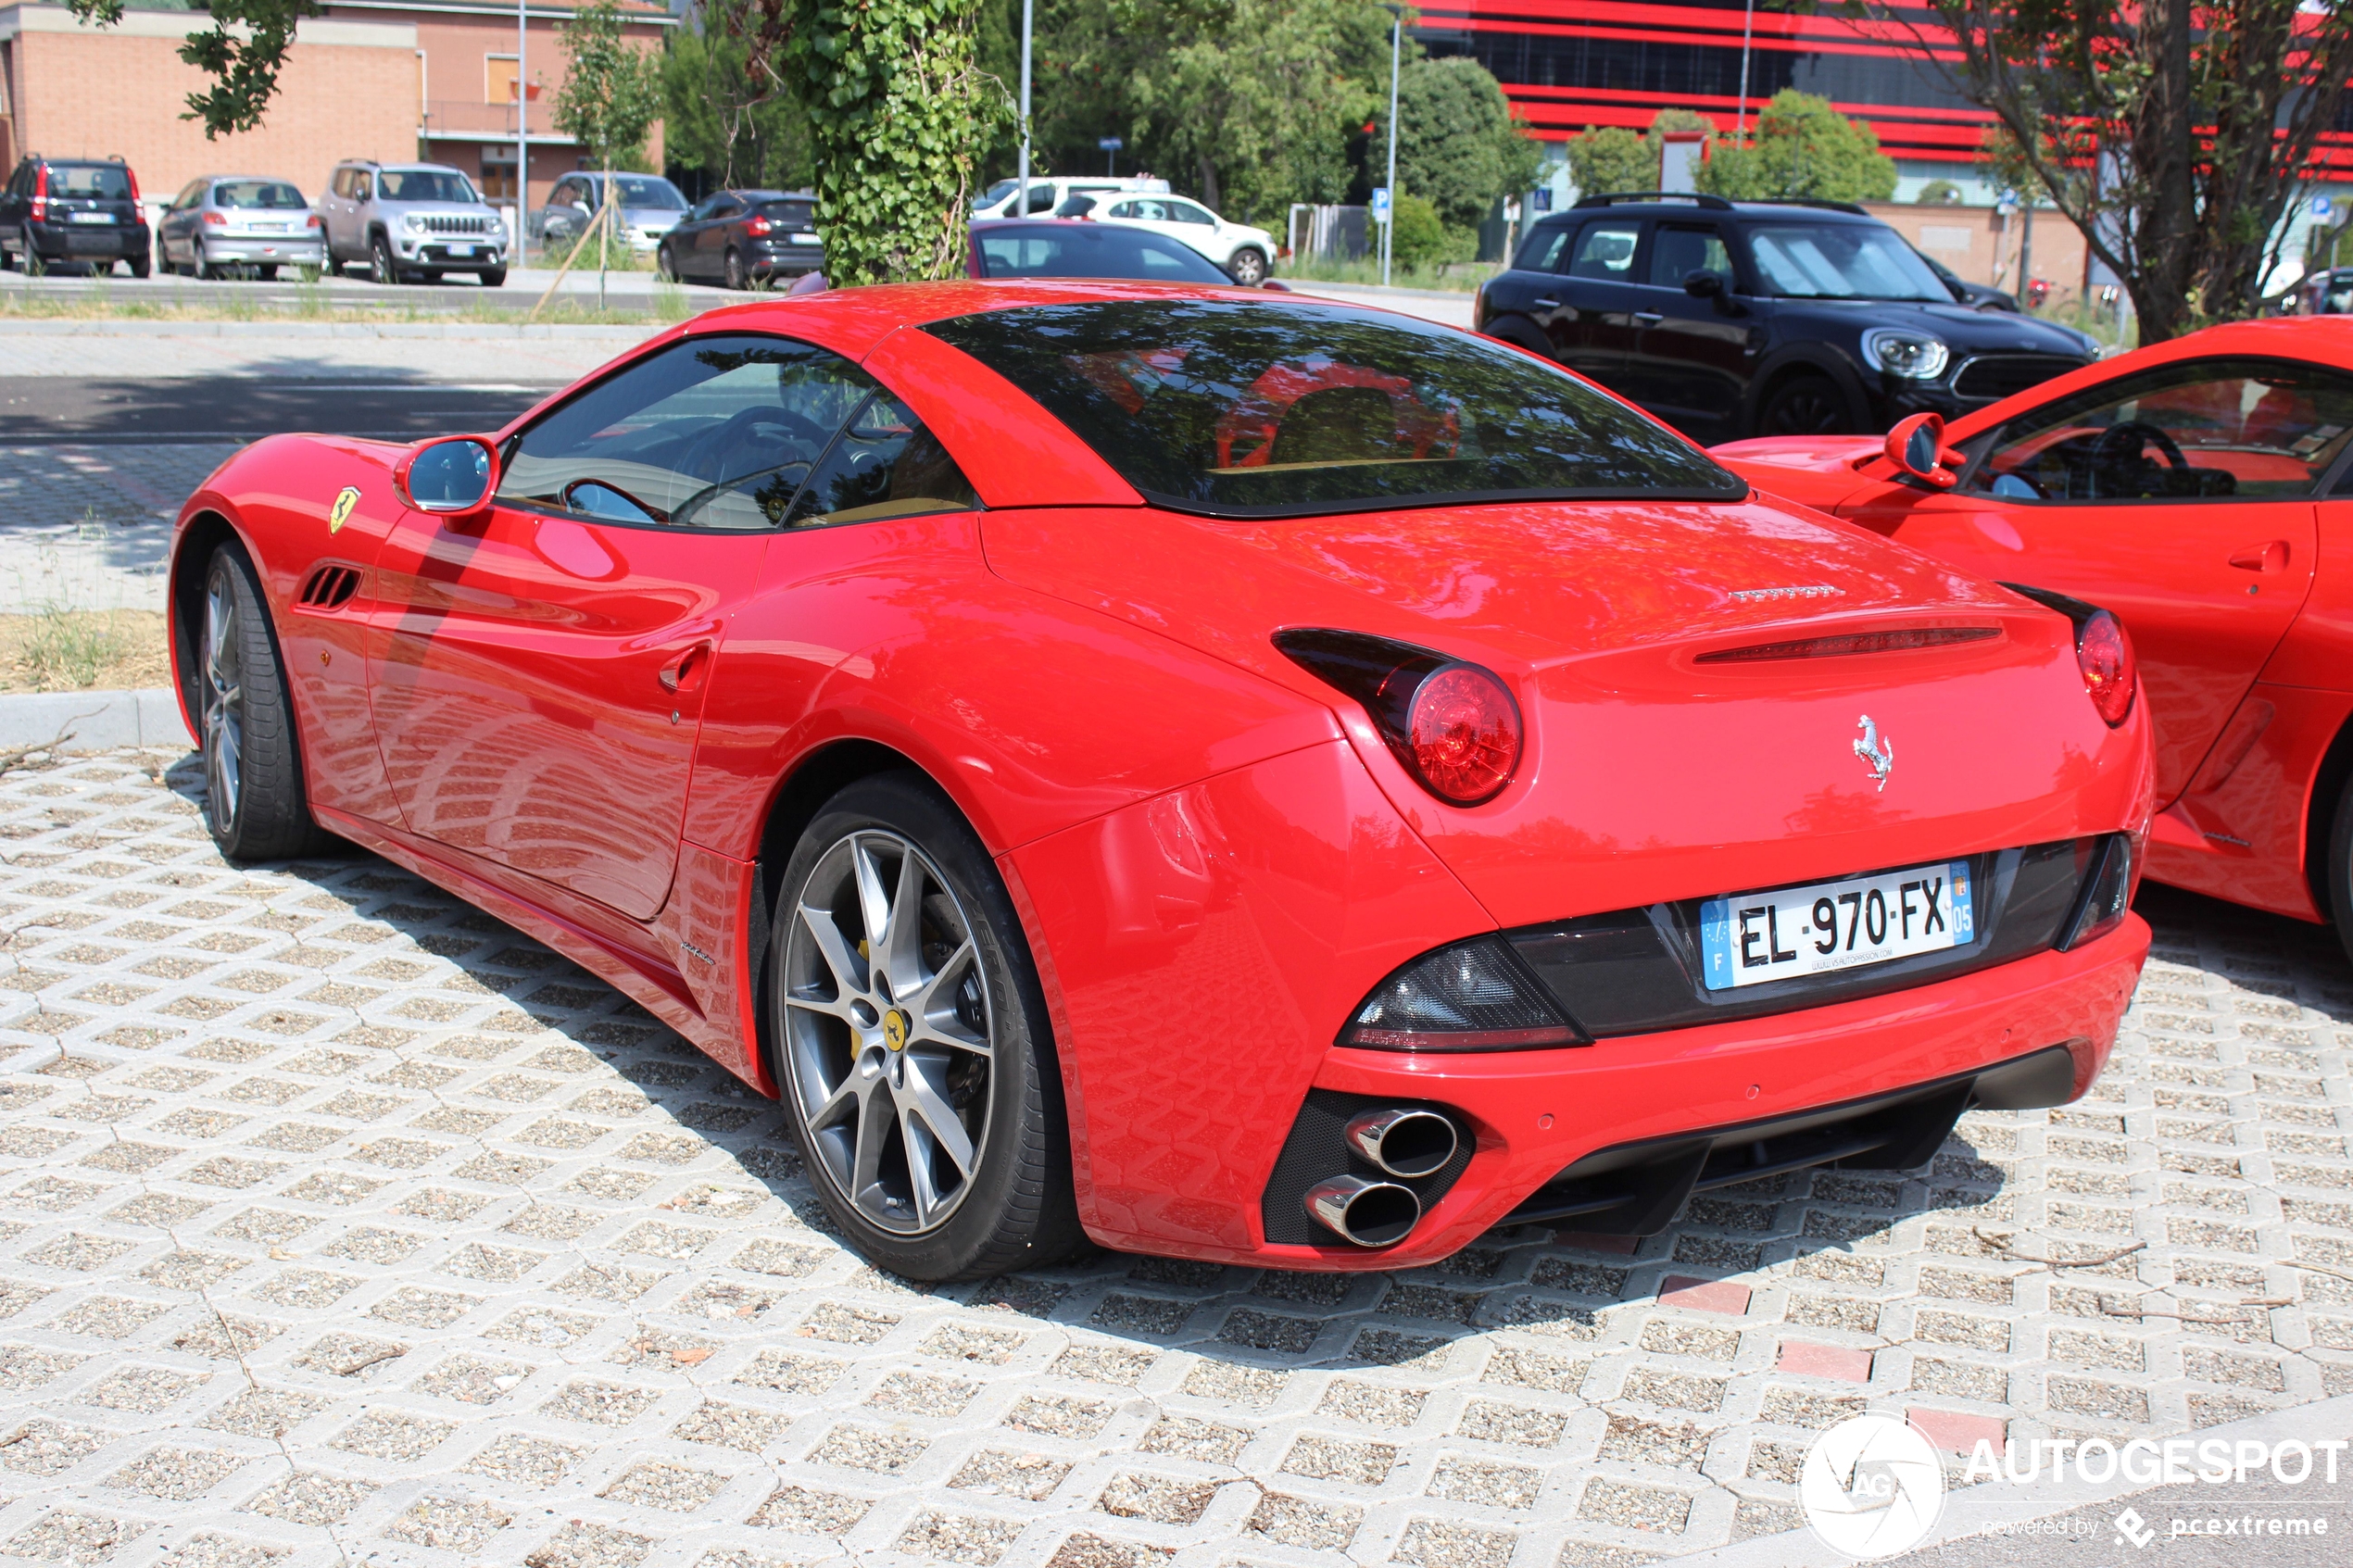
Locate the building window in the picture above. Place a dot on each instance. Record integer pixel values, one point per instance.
(499, 80)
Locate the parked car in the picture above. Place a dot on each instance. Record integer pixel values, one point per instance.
(650, 207)
(2328, 292)
(1985, 297)
(743, 238)
(1517, 818)
(73, 211)
(1730, 319)
(2203, 490)
(1047, 192)
(1047, 247)
(1243, 253)
(226, 223)
(411, 220)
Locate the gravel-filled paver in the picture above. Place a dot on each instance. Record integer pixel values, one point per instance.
(338, 1221)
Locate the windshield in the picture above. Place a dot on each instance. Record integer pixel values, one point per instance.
(997, 192)
(425, 185)
(1841, 261)
(105, 182)
(646, 191)
(1261, 408)
(1086, 250)
(270, 195)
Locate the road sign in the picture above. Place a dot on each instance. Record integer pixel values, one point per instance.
(1381, 204)
(2323, 208)
(1110, 143)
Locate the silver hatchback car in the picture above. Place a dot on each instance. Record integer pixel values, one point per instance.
(225, 225)
(413, 219)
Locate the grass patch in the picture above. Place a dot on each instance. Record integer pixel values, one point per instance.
(84, 650)
(1453, 277)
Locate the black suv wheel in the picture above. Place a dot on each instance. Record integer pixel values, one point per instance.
(1804, 405)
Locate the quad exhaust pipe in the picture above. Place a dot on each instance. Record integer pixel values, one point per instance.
(1406, 1144)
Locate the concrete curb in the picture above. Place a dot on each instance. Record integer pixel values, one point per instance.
(501, 332)
(98, 720)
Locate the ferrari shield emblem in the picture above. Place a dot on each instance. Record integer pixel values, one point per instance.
(340, 513)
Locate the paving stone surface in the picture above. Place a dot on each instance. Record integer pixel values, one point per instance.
(340, 1223)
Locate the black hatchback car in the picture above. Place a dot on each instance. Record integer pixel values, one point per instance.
(73, 210)
(1730, 319)
(744, 239)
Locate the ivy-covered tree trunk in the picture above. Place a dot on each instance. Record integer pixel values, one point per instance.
(899, 113)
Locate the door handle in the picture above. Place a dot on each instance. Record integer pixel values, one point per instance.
(1548, 304)
(1648, 318)
(683, 673)
(2270, 556)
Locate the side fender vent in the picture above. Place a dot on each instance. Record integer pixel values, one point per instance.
(330, 588)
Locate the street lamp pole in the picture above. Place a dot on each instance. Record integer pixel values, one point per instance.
(1748, 21)
(1021, 199)
(1389, 230)
(522, 130)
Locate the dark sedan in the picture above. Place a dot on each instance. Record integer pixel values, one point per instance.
(1047, 248)
(743, 238)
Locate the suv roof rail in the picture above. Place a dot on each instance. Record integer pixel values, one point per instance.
(1713, 203)
(1817, 201)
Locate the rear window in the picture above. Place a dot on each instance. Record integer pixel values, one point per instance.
(648, 193)
(1252, 408)
(790, 215)
(1090, 250)
(261, 194)
(103, 182)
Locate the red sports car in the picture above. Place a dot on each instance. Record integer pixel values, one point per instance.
(2203, 490)
(1241, 778)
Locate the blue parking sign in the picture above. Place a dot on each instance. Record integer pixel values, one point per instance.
(1381, 204)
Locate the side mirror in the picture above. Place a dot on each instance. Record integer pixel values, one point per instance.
(455, 475)
(1916, 448)
(1704, 285)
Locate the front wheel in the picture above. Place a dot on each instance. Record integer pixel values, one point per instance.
(254, 801)
(734, 267)
(493, 277)
(2340, 870)
(381, 265)
(665, 265)
(1805, 406)
(1247, 268)
(911, 1045)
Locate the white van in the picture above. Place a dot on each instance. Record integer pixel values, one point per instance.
(1047, 193)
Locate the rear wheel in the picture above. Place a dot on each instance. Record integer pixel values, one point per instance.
(140, 265)
(1804, 405)
(665, 265)
(1247, 268)
(2340, 870)
(254, 802)
(737, 279)
(911, 1045)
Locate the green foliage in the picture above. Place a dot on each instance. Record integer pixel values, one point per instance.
(1939, 193)
(1457, 141)
(736, 128)
(242, 51)
(1803, 147)
(897, 114)
(612, 94)
(1612, 159)
(1420, 238)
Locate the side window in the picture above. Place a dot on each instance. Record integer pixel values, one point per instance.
(1605, 252)
(1543, 251)
(2211, 429)
(1042, 198)
(886, 464)
(192, 197)
(713, 432)
(726, 207)
(1185, 212)
(1127, 209)
(362, 187)
(1678, 251)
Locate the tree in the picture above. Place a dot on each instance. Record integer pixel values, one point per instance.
(1456, 141)
(1611, 159)
(612, 94)
(242, 51)
(2174, 136)
(721, 120)
(1803, 148)
(1939, 193)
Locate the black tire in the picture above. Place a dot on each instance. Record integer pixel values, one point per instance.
(255, 805)
(1805, 404)
(732, 270)
(1520, 334)
(1012, 1205)
(141, 264)
(493, 277)
(665, 264)
(2340, 870)
(382, 268)
(1247, 267)
(267, 271)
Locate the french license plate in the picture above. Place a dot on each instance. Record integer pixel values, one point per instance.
(806, 239)
(462, 250)
(90, 218)
(1750, 938)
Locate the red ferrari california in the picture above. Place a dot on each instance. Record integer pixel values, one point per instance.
(1246, 779)
(2202, 490)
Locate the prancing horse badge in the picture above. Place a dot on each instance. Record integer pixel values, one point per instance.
(340, 513)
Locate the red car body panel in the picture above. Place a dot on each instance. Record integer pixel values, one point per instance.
(1214, 855)
(2248, 667)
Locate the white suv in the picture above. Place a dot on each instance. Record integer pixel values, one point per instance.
(1245, 253)
(1003, 198)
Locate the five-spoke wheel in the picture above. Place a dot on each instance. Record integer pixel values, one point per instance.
(254, 801)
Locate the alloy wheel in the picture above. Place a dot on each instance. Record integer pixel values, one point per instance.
(222, 673)
(1249, 267)
(890, 1030)
(735, 270)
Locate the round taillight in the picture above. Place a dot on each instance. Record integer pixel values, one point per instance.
(2104, 654)
(1463, 734)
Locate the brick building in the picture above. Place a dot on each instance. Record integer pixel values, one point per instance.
(379, 78)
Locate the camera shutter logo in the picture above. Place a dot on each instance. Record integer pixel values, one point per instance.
(1872, 1486)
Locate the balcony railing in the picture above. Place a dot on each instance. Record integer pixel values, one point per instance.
(457, 117)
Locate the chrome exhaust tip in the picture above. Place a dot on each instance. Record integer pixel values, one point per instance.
(1368, 1213)
(1404, 1143)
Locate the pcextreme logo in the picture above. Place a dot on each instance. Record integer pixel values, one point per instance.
(1872, 1486)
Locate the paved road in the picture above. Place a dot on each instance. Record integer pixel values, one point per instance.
(352, 1226)
(390, 405)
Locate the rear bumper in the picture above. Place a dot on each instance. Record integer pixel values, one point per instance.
(1537, 1114)
(74, 241)
(282, 252)
(786, 261)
